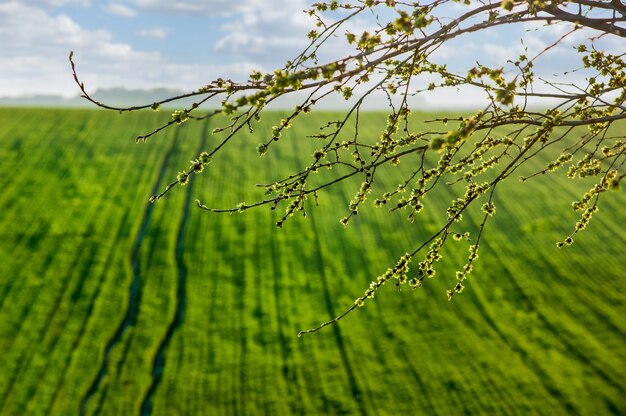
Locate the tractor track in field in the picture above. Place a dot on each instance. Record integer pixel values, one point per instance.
(542, 375)
(79, 287)
(521, 352)
(158, 362)
(402, 352)
(402, 349)
(57, 303)
(34, 154)
(6, 290)
(84, 270)
(90, 307)
(214, 291)
(381, 315)
(83, 326)
(239, 280)
(602, 317)
(557, 395)
(24, 313)
(354, 387)
(134, 295)
(572, 349)
(287, 370)
(215, 286)
(528, 361)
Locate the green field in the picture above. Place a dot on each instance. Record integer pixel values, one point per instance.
(110, 305)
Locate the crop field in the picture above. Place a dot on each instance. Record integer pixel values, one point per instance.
(111, 305)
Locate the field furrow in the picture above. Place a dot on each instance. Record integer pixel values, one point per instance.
(134, 291)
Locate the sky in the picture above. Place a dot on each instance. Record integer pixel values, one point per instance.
(143, 43)
(185, 44)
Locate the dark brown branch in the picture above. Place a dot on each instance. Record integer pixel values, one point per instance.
(598, 24)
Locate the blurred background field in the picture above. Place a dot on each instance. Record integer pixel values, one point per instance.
(111, 305)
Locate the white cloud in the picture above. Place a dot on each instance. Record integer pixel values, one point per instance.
(120, 10)
(36, 44)
(266, 31)
(209, 8)
(57, 3)
(154, 32)
(550, 33)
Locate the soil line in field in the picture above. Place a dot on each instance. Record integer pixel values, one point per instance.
(181, 290)
(25, 354)
(571, 349)
(134, 296)
(288, 371)
(542, 375)
(85, 321)
(402, 348)
(354, 387)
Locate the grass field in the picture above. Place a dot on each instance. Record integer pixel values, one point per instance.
(114, 306)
